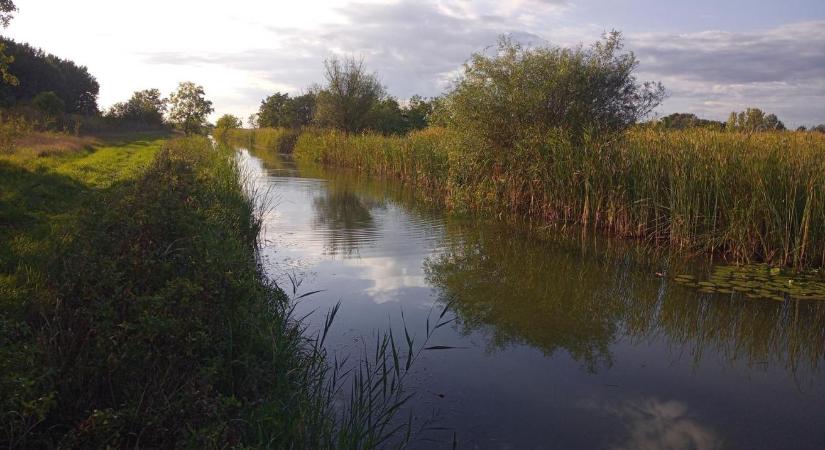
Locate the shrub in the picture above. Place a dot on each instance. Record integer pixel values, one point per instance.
(522, 92)
(49, 104)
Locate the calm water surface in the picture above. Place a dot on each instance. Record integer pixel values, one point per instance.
(561, 343)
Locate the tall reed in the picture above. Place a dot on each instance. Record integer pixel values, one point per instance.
(281, 140)
(744, 197)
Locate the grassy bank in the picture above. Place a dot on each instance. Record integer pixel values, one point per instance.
(743, 197)
(134, 312)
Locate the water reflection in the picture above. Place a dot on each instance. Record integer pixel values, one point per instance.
(658, 425)
(545, 321)
(348, 217)
(558, 297)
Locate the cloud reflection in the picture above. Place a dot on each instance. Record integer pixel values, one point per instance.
(662, 425)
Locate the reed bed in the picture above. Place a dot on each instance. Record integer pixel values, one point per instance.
(281, 140)
(743, 197)
(419, 158)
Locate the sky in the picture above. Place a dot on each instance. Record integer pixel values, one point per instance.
(712, 56)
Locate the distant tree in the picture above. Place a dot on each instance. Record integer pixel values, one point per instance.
(252, 120)
(190, 108)
(819, 128)
(304, 108)
(417, 112)
(281, 110)
(38, 72)
(349, 96)
(7, 9)
(801, 128)
(49, 104)
(228, 122)
(275, 111)
(753, 119)
(682, 121)
(519, 92)
(146, 107)
(386, 117)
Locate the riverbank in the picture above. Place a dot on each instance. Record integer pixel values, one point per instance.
(134, 311)
(742, 197)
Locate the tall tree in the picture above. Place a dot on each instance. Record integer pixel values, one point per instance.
(39, 71)
(349, 96)
(189, 108)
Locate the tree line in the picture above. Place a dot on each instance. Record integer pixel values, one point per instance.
(35, 72)
(352, 100)
(504, 96)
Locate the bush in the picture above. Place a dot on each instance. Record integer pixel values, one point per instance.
(163, 333)
(49, 104)
(519, 93)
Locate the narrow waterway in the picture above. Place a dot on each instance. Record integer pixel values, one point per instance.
(559, 342)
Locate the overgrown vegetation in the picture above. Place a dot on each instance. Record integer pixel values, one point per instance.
(741, 196)
(550, 133)
(135, 314)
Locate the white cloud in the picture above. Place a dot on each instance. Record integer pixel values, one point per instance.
(249, 49)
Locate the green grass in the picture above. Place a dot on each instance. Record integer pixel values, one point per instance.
(38, 193)
(742, 197)
(135, 313)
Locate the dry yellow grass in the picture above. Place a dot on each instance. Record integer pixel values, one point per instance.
(51, 144)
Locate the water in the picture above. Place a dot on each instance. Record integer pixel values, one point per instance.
(560, 342)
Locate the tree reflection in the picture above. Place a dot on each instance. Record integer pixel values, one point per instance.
(559, 297)
(346, 217)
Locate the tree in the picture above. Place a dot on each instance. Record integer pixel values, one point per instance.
(49, 104)
(252, 121)
(801, 128)
(38, 71)
(304, 107)
(275, 111)
(281, 110)
(519, 92)
(417, 112)
(819, 128)
(386, 117)
(682, 121)
(228, 122)
(753, 119)
(349, 96)
(189, 108)
(146, 107)
(7, 9)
